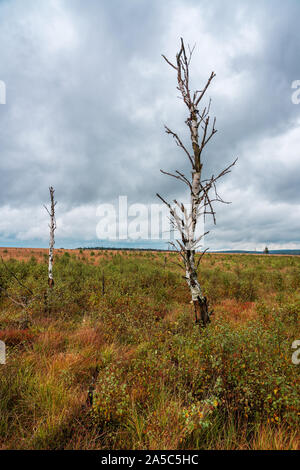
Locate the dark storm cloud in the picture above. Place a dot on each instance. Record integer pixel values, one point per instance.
(88, 94)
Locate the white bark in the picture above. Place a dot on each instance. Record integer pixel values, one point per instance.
(52, 227)
(186, 220)
(2, 352)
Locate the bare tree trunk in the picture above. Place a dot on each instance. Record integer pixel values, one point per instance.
(198, 299)
(52, 227)
(185, 221)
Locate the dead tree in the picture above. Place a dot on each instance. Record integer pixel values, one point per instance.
(183, 218)
(52, 227)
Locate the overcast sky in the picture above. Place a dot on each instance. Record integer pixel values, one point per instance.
(88, 93)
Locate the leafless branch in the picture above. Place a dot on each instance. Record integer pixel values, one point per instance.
(201, 256)
(21, 304)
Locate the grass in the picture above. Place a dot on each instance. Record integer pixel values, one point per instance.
(159, 381)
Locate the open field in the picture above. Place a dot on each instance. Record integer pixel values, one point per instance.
(111, 357)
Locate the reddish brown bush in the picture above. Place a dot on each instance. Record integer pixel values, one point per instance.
(14, 337)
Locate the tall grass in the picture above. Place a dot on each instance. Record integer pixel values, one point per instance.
(163, 383)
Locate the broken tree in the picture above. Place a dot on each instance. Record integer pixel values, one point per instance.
(184, 218)
(52, 227)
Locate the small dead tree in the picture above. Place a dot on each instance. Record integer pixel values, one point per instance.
(52, 227)
(183, 218)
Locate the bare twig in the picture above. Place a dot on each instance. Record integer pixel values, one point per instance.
(15, 277)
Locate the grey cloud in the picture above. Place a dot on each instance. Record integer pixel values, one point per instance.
(88, 94)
